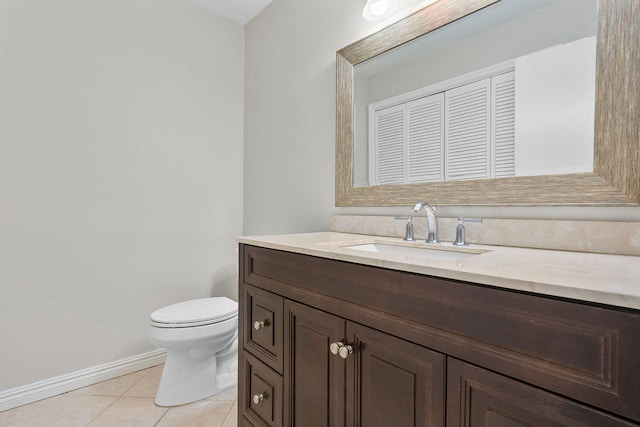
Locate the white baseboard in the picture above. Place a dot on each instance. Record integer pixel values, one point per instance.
(29, 393)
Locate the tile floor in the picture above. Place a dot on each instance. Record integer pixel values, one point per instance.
(123, 401)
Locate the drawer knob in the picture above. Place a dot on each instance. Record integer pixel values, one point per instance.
(257, 398)
(341, 349)
(259, 325)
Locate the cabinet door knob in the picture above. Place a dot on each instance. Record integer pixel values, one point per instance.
(259, 325)
(340, 348)
(257, 398)
(345, 351)
(334, 347)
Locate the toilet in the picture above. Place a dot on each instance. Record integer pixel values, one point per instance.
(201, 338)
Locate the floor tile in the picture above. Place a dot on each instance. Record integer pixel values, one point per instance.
(232, 416)
(203, 413)
(229, 394)
(123, 401)
(65, 410)
(130, 411)
(114, 387)
(147, 385)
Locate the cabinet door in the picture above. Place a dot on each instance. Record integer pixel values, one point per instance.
(392, 382)
(314, 378)
(477, 398)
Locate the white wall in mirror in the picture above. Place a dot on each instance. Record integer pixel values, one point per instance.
(555, 89)
(508, 30)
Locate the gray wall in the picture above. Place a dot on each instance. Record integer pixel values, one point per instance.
(120, 174)
(290, 111)
(290, 122)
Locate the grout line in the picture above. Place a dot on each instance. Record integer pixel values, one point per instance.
(233, 404)
(104, 410)
(163, 415)
(224, 421)
(132, 385)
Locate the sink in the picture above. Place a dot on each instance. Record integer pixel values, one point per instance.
(419, 251)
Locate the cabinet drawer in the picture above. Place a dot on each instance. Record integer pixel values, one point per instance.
(263, 326)
(261, 392)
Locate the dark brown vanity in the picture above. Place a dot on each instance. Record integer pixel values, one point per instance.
(418, 350)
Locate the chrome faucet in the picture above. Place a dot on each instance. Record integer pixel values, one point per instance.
(432, 221)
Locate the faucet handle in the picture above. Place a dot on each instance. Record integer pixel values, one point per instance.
(460, 232)
(408, 235)
(475, 220)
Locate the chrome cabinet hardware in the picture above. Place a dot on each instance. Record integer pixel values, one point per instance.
(259, 325)
(334, 347)
(345, 351)
(257, 398)
(340, 349)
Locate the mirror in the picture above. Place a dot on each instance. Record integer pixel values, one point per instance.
(610, 176)
(406, 101)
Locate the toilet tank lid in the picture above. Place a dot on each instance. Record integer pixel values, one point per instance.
(197, 310)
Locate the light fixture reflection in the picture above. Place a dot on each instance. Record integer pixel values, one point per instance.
(378, 9)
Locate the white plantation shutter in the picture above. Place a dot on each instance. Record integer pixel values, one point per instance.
(389, 152)
(425, 139)
(503, 129)
(467, 131)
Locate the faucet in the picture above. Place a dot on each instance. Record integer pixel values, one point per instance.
(432, 221)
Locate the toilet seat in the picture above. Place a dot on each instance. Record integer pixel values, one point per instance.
(198, 312)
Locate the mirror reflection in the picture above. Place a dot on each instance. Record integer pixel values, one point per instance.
(507, 91)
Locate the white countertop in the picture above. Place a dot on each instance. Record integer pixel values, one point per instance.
(606, 279)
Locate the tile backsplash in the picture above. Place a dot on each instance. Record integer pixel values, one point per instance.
(622, 238)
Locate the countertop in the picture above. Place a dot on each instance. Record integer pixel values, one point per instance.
(605, 279)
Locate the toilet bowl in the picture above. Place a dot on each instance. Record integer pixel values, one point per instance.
(201, 339)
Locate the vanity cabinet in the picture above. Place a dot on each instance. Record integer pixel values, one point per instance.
(387, 381)
(417, 350)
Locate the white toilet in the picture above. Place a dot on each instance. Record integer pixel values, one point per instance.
(201, 338)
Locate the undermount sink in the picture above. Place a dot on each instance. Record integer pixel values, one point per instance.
(419, 251)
